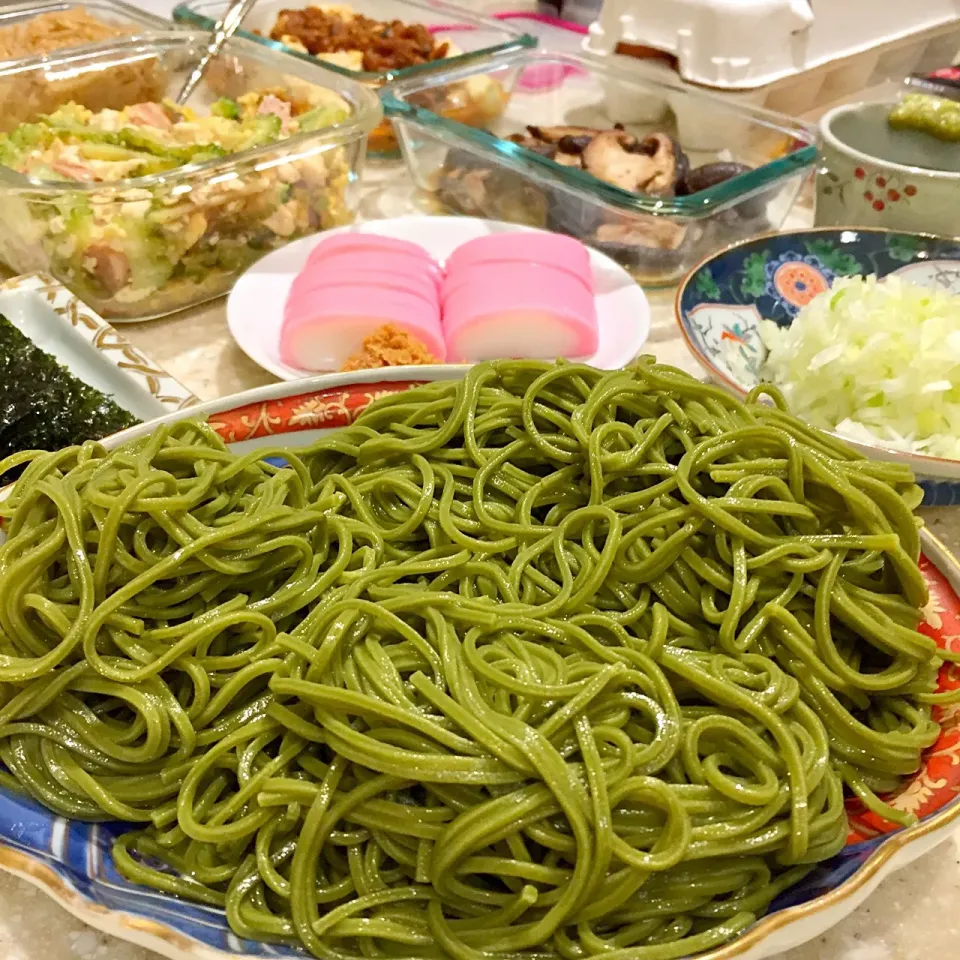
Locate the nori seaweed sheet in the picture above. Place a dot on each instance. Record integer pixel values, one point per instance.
(45, 407)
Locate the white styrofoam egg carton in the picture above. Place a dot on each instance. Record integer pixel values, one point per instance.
(737, 44)
(806, 93)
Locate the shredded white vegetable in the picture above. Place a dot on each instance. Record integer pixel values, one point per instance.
(875, 361)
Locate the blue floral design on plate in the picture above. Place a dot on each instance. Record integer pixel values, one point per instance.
(795, 278)
(721, 304)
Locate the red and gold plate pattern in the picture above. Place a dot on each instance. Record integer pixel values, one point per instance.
(938, 780)
(319, 409)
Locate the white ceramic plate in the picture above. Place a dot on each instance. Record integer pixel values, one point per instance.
(83, 342)
(255, 305)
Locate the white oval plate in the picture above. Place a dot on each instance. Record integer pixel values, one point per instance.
(255, 305)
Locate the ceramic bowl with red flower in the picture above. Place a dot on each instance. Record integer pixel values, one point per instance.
(870, 175)
(721, 302)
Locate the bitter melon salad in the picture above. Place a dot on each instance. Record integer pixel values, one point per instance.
(155, 238)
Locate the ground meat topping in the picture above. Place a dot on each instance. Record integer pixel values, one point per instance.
(385, 45)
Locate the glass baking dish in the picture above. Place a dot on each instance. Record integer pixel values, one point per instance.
(474, 39)
(140, 248)
(657, 238)
(25, 96)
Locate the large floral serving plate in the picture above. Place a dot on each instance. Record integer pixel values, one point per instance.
(722, 301)
(72, 862)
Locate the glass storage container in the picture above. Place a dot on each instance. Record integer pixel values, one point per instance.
(473, 39)
(23, 35)
(658, 238)
(143, 247)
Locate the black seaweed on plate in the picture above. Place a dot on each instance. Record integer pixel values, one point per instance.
(43, 406)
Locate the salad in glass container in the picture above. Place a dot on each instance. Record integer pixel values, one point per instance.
(153, 207)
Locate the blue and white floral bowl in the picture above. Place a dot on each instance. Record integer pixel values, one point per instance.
(721, 302)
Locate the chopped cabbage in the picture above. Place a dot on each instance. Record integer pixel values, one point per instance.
(877, 361)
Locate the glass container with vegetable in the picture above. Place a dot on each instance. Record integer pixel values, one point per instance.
(41, 27)
(150, 208)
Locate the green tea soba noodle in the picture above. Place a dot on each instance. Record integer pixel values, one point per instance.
(545, 663)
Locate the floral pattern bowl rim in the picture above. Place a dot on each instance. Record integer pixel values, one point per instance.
(923, 465)
(71, 862)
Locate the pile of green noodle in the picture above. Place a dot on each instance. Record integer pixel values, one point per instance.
(546, 663)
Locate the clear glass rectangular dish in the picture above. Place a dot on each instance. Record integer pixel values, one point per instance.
(112, 12)
(474, 39)
(480, 173)
(28, 95)
(140, 248)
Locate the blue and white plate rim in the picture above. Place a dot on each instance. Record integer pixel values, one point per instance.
(939, 473)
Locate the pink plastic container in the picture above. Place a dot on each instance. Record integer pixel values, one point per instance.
(523, 246)
(321, 332)
(518, 310)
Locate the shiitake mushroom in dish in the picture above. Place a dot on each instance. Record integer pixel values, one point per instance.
(655, 248)
(710, 174)
(654, 165)
(651, 165)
